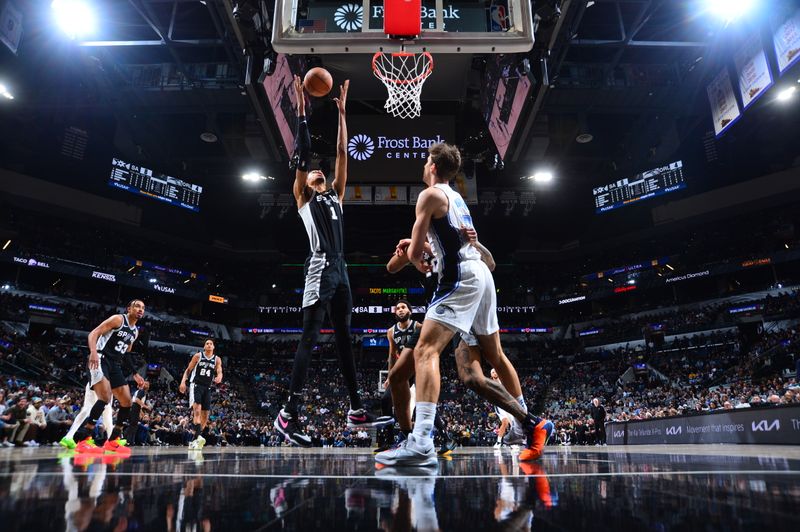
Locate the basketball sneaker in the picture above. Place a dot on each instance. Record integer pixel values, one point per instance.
(115, 446)
(290, 427)
(362, 419)
(201, 442)
(88, 446)
(447, 447)
(408, 453)
(537, 439)
(67, 442)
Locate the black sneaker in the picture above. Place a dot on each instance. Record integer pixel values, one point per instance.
(392, 444)
(447, 447)
(291, 429)
(362, 419)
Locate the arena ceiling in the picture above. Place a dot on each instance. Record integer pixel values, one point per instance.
(630, 73)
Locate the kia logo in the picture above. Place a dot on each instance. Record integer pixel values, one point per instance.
(349, 17)
(674, 431)
(619, 433)
(361, 147)
(763, 426)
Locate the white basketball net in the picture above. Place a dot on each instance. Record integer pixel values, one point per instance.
(403, 75)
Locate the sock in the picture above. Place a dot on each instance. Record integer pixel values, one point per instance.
(521, 402)
(423, 423)
(94, 415)
(108, 420)
(293, 404)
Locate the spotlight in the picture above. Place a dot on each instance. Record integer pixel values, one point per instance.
(786, 94)
(729, 10)
(542, 177)
(4, 92)
(8, 243)
(255, 176)
(74, 17)
(153, 280)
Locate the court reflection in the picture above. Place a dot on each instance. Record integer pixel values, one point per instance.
(246, 490)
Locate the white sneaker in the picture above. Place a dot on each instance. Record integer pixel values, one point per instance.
(497, 445)
(408, 453)
(201, 442)
(193, 445)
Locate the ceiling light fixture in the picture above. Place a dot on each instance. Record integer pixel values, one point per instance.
(75, 17)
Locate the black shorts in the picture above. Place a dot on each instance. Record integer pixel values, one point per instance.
(201, 395)
(324, 279)
(412, 342)
(109, 369)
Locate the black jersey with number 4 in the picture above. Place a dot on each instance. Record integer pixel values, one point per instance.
(322, 218)
(204, 370)
(116, 342)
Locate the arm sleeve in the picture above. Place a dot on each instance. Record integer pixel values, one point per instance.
(302, 145)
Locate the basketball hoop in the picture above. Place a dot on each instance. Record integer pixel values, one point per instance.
(403, 74)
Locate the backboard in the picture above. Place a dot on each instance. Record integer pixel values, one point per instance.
(448, 26)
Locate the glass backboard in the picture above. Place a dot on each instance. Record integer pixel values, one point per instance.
(448, 26)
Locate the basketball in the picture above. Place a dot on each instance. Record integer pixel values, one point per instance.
(318, 82)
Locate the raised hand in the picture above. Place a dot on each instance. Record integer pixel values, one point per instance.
(341, 101)
(300, 96)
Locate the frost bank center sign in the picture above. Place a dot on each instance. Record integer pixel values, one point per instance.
(769, 425)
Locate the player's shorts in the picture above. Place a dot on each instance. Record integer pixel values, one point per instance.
(199, 394)
(469, 304)
(110, 370)
(411, 343)
(502, 414)
(323, 276)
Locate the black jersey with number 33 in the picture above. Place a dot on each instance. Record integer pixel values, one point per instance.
(116, 342)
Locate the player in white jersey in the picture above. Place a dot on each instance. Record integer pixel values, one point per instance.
(464, 302)
(504, 417)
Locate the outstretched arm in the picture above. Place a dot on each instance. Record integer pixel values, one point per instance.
(340, 179)
(302, 147)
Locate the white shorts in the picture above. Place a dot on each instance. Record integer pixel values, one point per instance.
(469, 306)
(502, 414)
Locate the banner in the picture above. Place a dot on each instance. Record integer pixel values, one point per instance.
(753, 70)
(724, 108)
(467, 186)
(358, 195)
(391, 195)
(11, 26)
(764, 425)
(787, 41)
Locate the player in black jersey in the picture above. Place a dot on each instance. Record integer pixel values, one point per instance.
(399, 336)
(200, 370)
(327, 286)
(109, 346)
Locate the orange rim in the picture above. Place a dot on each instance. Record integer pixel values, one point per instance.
(380, 76)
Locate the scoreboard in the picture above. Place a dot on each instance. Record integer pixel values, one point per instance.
(643, 186)
(146, 182)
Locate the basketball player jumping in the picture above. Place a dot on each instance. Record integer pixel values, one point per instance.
(327, 286)
(109, 345)
(201, 367)
(465, 300)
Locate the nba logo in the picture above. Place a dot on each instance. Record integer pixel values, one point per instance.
(499, 19)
